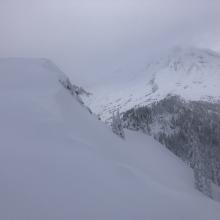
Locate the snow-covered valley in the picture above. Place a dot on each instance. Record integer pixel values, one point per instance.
(58, 161)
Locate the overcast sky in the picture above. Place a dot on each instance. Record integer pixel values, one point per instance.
(89, 39)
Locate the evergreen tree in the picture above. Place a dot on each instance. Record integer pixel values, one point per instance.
(201, 172)
(117, 126)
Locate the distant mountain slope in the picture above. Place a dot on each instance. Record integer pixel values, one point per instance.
(192, 73)
(57, 161)
(190, 129)
(176, 100)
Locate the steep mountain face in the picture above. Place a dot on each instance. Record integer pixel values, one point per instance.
(193, 74)
(176, 100)
(57, 161)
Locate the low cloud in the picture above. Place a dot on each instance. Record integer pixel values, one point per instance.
(90, 39)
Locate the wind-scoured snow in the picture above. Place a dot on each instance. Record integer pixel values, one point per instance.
(57, 161)
(192, 73)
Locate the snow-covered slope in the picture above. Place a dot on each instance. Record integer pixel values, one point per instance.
(191, 73)
(57, 161)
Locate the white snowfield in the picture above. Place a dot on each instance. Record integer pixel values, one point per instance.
(57, 161)
(191, 73)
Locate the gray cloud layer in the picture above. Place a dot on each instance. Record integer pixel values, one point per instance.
(91, 38)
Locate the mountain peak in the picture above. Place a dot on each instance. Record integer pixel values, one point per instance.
(191, 73)
(193, 55)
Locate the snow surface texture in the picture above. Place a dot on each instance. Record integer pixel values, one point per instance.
(193, 74)
(57, 161)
